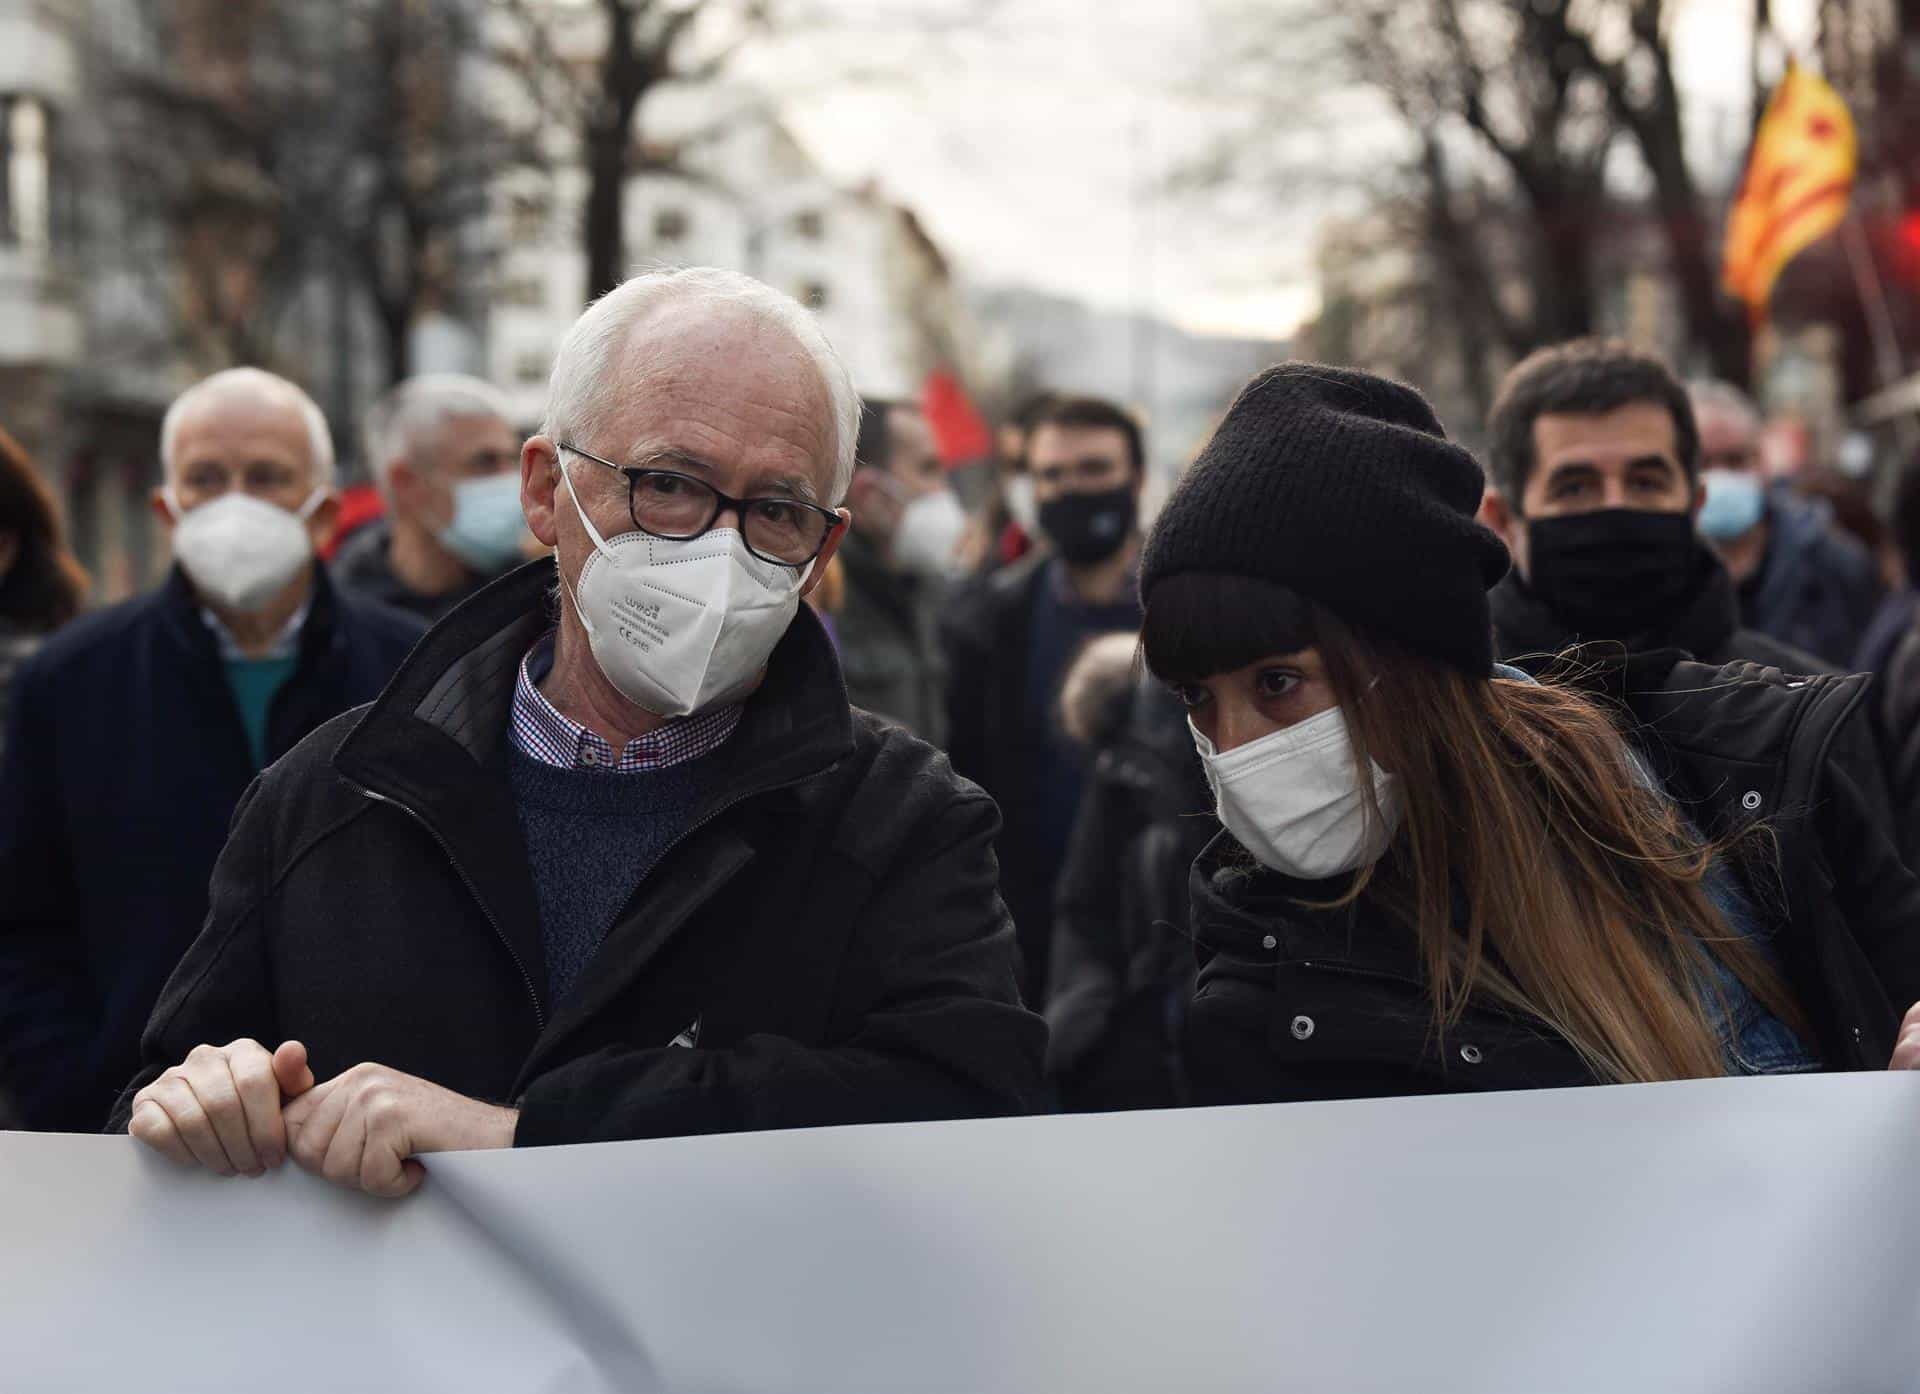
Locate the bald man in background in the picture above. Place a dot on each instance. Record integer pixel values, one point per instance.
(132, 734)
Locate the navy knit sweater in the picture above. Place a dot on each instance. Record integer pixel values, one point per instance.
(592, 836)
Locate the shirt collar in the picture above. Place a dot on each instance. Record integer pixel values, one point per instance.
(286, 644)
(539, 730)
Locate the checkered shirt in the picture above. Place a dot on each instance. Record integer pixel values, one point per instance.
(540, 732)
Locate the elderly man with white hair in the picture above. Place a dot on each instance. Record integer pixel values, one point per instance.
(133, 733)
(612, 857)
(442, 448)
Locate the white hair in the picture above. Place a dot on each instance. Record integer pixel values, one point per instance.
(1711, 392)
(408, 411)
(584, 389)
(270, 386)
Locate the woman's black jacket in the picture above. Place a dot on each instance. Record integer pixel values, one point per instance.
(1298, 1003)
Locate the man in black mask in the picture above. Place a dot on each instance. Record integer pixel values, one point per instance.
(1011, 639)
(1596, 489)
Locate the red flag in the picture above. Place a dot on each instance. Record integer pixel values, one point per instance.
(959, 431)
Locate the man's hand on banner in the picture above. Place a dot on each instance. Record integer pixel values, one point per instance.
(222, 1107)
(1906, 1049)
(363, 1127)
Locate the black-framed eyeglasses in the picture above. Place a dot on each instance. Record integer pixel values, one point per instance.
(669, 504)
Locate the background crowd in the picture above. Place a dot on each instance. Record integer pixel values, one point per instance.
(993, 611)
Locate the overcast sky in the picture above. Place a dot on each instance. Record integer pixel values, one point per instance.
(1036, 146)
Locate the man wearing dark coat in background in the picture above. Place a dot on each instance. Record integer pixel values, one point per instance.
(446, 458)
(1012, 637)
(1596, 488)
(133, 733)
(1802, 579)
(900, 553)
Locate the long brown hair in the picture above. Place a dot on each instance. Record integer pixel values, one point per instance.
(45, 585)
(1536, 864)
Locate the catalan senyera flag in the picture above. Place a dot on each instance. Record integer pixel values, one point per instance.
(1799, 178)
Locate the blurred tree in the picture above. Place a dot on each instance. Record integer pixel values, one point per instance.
(597, 64)
(1509, 130)
(268, 151)
(1638, 74)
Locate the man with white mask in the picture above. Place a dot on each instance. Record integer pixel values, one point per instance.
(899, 555)
(134, 732)
(443, 450)
(611, 857)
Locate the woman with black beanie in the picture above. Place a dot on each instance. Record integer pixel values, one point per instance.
(1436, 875)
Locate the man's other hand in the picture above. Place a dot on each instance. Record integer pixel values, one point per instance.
(1906, 1050)
(363, 1128)
(222, 1107)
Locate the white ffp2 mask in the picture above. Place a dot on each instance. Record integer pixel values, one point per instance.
(241, 551)
(1293, 800)
(926, 541)
(679, 626)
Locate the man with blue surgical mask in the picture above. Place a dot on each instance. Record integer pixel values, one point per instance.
(132, 734)
(612, 856)
(447, 460)
(1800, 579)
(1597, 490)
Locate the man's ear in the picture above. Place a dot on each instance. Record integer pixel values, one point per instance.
(1505, 520)
(1495, 513)
(324, 521)
(162, 509)
(401, 486)
(834, 538)
(540, 489)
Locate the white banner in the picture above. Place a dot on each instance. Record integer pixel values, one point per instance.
(1740, 1235)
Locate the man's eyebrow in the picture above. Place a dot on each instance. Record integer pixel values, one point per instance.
(796, 485)
(1639, 462)
(669, 458)
(1560, 467)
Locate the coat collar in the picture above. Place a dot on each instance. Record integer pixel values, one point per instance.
(434, 742)
(180, 606)
(1247, 911)
(1702, 625)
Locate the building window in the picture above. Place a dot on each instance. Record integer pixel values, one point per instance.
(526, 218)
(26, 203)
(531, 368)
(813, 294)
(670, 225)
(810, 224)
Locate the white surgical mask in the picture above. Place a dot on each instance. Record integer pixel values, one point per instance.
(1292, 798)
(678, 626)
(927, 537)
(1020, 503)
(240, 551)
(487, 524)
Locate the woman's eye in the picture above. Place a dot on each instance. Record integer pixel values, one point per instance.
(1275, 682)
(1190, 694)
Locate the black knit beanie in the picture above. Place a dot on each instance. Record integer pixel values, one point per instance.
(1343, 487)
